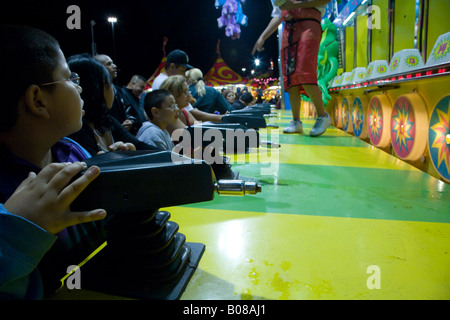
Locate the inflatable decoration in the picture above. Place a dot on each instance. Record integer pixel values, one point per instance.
(232, 17)
(328, 62)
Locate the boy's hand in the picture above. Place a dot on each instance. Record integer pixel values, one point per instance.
(127, 124)
(45, 198)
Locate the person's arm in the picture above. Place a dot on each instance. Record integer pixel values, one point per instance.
(270, 29)
(205, 116)
(120, 134)
(19, 257)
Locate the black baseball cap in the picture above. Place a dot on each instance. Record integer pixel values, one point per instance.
(247, 97)
(180, 58)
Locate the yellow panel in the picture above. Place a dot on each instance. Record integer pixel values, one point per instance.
(349, 43)
(404, 21)
(361, 58)
(380, 36)
(438, 22)
(313, 257)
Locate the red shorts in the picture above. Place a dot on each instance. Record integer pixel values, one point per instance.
(299, 58)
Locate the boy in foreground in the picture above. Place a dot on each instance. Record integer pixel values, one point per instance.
(41, 105)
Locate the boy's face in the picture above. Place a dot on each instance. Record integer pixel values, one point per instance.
(64, 103)
(168, 112)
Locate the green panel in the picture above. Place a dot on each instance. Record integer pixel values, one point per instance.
(349, 48)
(342, 192)
(380, 36)
(438, 22)
(340, 139)
(404, 23)
(361, 30)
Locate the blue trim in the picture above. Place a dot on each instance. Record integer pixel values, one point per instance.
(83, 150)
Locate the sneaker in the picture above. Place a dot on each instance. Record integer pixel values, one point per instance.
(322, 123)
(295, 126)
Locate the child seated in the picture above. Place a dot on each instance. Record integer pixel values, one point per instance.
(100, 131)
(41, 105)
(162, 111)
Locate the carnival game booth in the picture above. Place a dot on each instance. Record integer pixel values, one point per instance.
(393, 90)
(142, 250)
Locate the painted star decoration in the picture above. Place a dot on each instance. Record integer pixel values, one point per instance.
(401, 128)
(442, 139)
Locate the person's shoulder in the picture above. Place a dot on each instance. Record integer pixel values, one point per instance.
(158, 81)
(148, 128)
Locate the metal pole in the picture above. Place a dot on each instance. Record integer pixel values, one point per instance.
(114, 42)
(369, 38)
(355, 41)
(391, 18)
(280, 68)
(425, 29)
(94, 48)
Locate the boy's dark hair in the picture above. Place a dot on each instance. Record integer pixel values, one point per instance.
(155, 99)
(94, 77)
(27, 57)
(247, 97)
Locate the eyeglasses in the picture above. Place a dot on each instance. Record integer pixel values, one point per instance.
(173, 107)
(74, 77)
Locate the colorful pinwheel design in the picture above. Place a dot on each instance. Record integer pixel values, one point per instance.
(439, 137)
(403, 128)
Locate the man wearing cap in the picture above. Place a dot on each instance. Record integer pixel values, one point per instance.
(243, 101)
(176, 64)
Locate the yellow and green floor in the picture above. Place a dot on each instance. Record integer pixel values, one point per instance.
(336, 219)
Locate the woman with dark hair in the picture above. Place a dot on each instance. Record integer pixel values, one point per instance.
(100, 132)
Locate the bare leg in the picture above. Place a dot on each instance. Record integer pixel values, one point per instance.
(294, 100)
(323, 120)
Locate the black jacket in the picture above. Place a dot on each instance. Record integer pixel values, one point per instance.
(127, 106)
(86, 138)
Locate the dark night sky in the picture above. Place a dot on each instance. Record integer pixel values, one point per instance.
(190, 25)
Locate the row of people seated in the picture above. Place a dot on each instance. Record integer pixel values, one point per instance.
(204, 103)
(46, 105)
